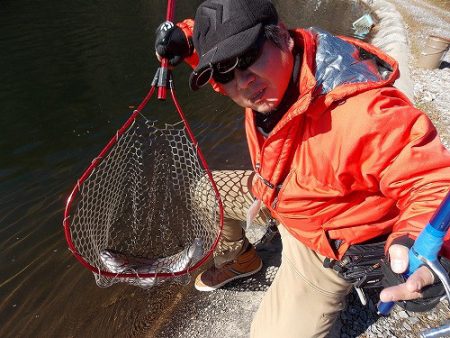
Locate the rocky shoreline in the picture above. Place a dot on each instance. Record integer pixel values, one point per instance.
(403, 26)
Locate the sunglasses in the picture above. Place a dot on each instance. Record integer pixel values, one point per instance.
(223, 72)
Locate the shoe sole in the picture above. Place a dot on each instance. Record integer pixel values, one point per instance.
(218, 286)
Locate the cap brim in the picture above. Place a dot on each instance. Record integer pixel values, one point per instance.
(231, 47)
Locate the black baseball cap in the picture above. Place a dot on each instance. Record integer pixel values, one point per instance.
(224, 29)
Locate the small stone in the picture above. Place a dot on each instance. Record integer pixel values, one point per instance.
(406, 326)
(428, 97)
(403, 314)
(413, 320)
(431, 316)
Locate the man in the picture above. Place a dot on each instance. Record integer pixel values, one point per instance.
(341, 159)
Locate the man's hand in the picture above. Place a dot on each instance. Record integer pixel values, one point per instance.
(171, 43)
(411, 289)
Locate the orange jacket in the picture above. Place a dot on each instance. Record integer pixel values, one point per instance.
(352, 159)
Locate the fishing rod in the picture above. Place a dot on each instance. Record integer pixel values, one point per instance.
(425, 252)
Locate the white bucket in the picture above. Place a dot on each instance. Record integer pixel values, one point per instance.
(434, 51)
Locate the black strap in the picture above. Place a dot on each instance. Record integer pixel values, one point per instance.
(361, 265)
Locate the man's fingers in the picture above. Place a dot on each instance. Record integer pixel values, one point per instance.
(398, 255)
(411, 289)
(420, 278)
(398, 292)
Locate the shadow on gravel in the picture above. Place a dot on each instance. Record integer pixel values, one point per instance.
(356, 318)
(444, 64)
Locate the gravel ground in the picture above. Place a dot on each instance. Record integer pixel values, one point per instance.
(227, 313)
(431, 87)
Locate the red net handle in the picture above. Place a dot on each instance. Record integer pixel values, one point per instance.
(162, 89)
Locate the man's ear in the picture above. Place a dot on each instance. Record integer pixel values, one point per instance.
(289, 42)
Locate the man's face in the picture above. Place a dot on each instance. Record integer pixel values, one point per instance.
(261, 87)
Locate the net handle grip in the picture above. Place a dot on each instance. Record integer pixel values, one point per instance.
(162, 88)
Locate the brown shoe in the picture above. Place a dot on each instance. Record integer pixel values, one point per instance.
(245, 265)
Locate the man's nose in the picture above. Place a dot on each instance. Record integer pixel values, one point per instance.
(243, 78)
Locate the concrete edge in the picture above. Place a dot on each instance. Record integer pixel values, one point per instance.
(391, 37)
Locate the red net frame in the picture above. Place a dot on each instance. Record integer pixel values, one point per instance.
(101, 157)
(87, 257)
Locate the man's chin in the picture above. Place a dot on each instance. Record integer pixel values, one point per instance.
(265, 107)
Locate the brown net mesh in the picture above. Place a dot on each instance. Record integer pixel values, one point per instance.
(139, 210)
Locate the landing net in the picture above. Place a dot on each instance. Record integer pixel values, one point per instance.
(140, 216)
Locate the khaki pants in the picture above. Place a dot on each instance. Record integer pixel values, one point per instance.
(304, 298)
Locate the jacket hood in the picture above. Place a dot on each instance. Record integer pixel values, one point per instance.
(341, 62)
(336, 67)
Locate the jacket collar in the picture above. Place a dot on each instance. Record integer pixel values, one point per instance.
(334, 68)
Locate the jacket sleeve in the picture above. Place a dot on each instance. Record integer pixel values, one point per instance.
(187, 26)
(416, 166)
